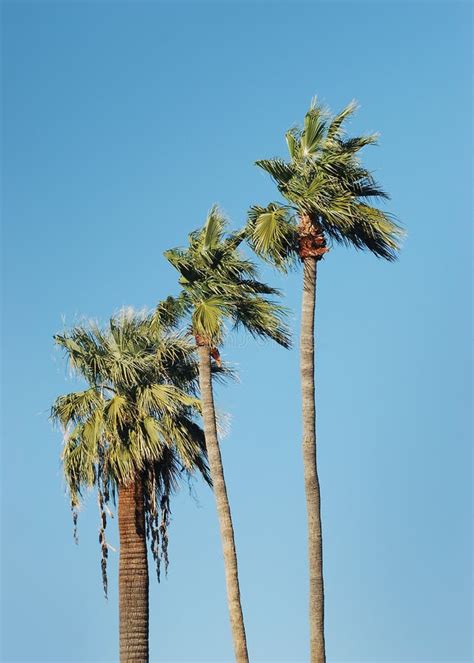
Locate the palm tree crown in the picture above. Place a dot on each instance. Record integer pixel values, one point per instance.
(219, 284)
(328, 191)
(136, 418)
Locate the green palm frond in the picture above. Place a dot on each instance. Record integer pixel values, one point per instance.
(273, 235)
(183, 264)
(208, 317)
(254, 287)
(83, 354)
(362, 184)
(377, 231)
(163, 399)
(353, 145)
(92, 431)
(337, 122)
(233, 241)
(115, 412)
(188, 438)
(314, 129)
(280, 171)
(213, 229)
(168, 314)
(262, 319)
(292, 137)
(79, 466)
(75, 407)
(151, 432)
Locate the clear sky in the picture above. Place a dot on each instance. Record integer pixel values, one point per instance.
(122, 124)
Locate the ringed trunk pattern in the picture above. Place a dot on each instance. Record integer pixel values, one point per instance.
(133, 574)
(311, 481)
(222, 502)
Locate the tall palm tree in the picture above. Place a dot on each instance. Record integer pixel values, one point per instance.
(219, 285)
(328, 196)
(132, 431)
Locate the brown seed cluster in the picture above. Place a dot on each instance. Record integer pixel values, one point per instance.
(214, 352)
(312, 242)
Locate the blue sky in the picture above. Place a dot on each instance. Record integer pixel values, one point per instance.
(122, 124)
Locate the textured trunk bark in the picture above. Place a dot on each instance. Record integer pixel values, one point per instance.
(133, 575)
(311, 481)
(223, 508)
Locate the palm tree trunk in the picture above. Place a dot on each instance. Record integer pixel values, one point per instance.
(133, 574)
(311, 481)
(223, 508)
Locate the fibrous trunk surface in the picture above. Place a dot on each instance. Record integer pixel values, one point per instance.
(311, 481)
(133, 575)
(223, 507)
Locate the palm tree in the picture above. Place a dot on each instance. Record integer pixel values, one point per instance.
(219, 285)
(328, 195)
(132, 431)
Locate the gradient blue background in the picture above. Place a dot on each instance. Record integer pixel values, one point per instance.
(123, 123)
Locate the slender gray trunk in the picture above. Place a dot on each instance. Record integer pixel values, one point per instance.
(223, 508)
(311, 481)
(133, 574)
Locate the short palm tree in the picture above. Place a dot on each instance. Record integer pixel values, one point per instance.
(219, 285)
(328, 196)
(131, 431)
